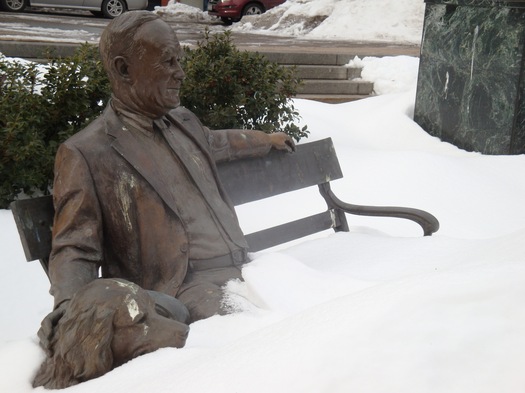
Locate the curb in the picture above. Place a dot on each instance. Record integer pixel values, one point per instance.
(36, 50)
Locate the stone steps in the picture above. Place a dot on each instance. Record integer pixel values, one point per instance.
(331, 98)
(326, 77)
(298, 58)
(326, 86)
(327, 72)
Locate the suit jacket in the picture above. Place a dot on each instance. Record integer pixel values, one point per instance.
(114, 210)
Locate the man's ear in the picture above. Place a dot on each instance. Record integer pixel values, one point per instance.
(120, 66)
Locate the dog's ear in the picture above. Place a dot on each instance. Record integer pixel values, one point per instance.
(82, 349)
(90, 353)
(45, 375)
(55, 373)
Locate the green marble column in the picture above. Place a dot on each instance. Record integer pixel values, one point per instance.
(471, 83)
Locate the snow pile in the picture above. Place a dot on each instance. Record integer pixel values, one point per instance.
(389, 74)
(356, 20)
(181, 12)
(294, 17)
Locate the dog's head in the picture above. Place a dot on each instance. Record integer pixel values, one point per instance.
(107, 323)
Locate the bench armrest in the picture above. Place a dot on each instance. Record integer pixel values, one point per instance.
(427, 221)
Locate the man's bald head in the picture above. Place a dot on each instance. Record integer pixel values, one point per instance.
(141, 55)
(118, 38)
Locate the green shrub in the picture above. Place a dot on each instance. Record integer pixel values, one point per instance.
(228, 88)
(39, 110)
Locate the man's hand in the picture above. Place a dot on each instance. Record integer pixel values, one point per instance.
(48, 327)
(281, 141)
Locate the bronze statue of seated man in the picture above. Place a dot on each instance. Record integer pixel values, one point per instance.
(137, 194)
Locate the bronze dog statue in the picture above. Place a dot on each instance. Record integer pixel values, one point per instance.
(107, 323)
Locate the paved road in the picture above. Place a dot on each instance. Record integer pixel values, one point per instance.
(73, 27)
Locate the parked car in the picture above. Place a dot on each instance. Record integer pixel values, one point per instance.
(233, 10)
(107, 8)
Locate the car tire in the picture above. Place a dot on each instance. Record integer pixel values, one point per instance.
(113, 8)
(13, 5)
(252, 9)
(152, 4)
(226, 21)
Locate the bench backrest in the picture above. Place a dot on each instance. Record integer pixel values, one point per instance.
(245, 181)
(34, 220)
(312, 164)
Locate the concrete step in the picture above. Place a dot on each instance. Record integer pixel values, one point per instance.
(315, 86)
(331, 98)
(308, 58)
(327, 72)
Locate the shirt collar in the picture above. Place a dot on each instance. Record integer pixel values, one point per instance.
(135, 120)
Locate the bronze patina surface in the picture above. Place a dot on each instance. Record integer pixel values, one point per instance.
(137, 194)
(107, 323)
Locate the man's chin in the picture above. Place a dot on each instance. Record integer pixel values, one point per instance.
(163, 107)
(170, 106)
(172, 102)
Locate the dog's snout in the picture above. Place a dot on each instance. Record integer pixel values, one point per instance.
(181, 335)
(183, 331)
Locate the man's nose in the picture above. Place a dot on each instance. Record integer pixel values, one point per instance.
(178, 73)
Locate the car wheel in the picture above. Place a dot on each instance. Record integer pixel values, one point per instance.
(13, 5)
(253, 9)
(113, 8)
(226, 21)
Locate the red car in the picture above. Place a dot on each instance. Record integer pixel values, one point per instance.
(233, 10)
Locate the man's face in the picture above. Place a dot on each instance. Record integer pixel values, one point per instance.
(155, 74)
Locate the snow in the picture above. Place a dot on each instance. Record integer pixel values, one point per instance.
(378, 309)
(183, 12)
(359, 20)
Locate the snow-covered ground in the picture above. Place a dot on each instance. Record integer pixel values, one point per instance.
(379, 309)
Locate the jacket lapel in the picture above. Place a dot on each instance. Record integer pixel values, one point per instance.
(139, 156)
(183, 123)
(220, 203)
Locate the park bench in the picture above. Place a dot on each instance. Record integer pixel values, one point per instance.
(247, 180)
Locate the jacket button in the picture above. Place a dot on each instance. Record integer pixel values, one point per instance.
(184, 247)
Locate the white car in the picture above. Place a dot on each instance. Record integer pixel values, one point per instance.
(107, 8)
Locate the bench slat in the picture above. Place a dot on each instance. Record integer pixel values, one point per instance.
(292, 230)
(253, 179)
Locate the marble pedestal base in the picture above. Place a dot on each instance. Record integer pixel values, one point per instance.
(471, 84)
